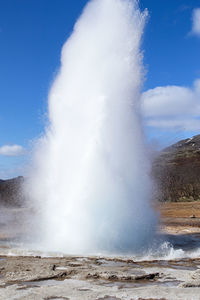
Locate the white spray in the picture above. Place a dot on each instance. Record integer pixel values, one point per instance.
(90, 179)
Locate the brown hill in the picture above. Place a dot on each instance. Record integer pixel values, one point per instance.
(177, 171)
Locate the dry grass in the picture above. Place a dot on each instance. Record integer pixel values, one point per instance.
(177, 216)
(179, 209)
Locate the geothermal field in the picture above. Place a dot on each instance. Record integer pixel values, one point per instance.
(86, 222)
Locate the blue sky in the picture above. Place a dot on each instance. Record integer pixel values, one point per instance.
(32, 33)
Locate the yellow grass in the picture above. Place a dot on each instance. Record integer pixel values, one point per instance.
(179, 209)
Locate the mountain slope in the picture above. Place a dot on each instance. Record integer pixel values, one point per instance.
(11, 192)
(177, 171)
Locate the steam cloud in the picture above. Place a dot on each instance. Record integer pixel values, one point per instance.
(90, 179)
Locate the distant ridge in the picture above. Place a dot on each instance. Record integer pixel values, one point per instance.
(177, 171)
(11, 192)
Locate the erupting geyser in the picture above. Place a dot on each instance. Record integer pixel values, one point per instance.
(90, 180)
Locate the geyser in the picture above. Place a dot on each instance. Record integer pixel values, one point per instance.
(90, 181)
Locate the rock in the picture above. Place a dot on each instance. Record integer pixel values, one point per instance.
(194, 282)
(190, 284)
(192, 217)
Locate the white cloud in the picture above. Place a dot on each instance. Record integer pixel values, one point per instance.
(196, 22)
(11, 150)
(173, 107)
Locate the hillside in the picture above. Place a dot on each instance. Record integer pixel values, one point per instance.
(11, 192)
(177, 171)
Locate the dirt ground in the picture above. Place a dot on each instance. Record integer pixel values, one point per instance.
(179, 217)
(179, 209)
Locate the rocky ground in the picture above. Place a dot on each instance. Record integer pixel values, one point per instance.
(98, 278)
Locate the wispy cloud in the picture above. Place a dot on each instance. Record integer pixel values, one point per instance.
(196, 22)
(173, 107)
(12, 150)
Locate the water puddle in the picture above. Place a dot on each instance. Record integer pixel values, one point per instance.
(140, 283)
(39, 283)
(173, 283)
(3, 259)
(62, 268)
(56, 298)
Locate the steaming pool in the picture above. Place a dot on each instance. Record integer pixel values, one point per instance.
(15, 241)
